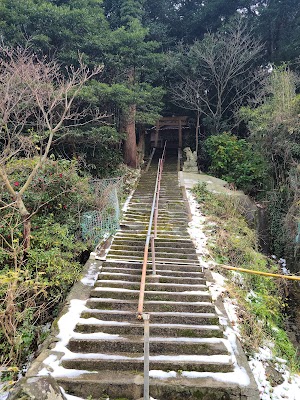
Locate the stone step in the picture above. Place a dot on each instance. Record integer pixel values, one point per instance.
(164, 330)
(139, 258)
(158, 345)
(130, 235)
(151, 306)
(134, 210)
(129, 385)
(166, 269)
(158, 249)
(160, 242)
(162, 231)
(156, 317)
(214, 363)
(150, 278)
(176, 242)
(127, 294)
(158, 254)
(169, 287)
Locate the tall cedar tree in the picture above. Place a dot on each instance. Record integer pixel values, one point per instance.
(133, 61)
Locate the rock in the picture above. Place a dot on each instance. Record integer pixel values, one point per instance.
(37, 388)
(274, 377)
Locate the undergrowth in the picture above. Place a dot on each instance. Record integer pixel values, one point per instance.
(261, 300)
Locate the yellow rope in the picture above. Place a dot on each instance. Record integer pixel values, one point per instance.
(250, 271)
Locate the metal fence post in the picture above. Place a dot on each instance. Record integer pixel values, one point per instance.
(146, 318)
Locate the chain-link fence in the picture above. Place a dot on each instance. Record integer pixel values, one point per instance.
(100, 224)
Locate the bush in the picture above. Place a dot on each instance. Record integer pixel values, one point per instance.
(235, 160)
(34, 284)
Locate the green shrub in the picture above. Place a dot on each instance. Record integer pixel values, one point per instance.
(236, 161)
(261, 299)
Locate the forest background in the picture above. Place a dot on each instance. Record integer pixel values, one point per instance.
(231, 66)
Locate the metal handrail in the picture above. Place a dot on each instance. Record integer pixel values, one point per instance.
(150, 159)
(141, 315)
(153, 215)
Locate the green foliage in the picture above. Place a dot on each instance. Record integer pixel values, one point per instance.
(235, 160)
(32, 287)
(59, 189)
(274, 124)
(261, 300)
(279, 202)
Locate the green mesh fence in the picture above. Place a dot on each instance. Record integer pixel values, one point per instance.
(100, 224)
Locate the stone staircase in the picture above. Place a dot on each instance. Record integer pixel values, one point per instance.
(189, 356)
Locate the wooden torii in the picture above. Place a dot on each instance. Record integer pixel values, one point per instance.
(171, 121)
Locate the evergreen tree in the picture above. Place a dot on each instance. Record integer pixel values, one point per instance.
(132, 61)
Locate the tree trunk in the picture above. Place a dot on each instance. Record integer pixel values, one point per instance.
(141, 148)
(26, 220)
(197, 131)
(130, 150)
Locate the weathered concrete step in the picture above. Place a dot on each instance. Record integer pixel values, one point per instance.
(161, 217)
(129, 386)
(140, 242)
(139, 258)
(169, 330)
(151, 306)
(129, 235)
(160, 242)
(214, 363)
(156, 317)
(135, 221)
(135, 210)
(158, 345)
(128, 294)
(165, 211)
(168, 287)
(158, 254)
(162, 231)
(150, 278)
(127, 246)
(171, 267)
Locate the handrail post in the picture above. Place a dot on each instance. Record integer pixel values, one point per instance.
(146, 318)
(153, 255)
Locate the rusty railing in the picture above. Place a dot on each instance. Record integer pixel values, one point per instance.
(151, 237)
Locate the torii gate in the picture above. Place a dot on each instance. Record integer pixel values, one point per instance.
(172, 122)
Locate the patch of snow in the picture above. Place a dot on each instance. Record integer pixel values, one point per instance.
(196, 226)
(289, 389)
(218, 278)
(3, 394)
(158, 374)
(95, 335)
(186, 339)
(91, 276)
(239, 376)
(126, 204)
(111, 289)
(201, 293)
(220, 359)
(96, 321)
(69, 397)
(54, 369)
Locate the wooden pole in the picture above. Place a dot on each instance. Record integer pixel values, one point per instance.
(180, 134)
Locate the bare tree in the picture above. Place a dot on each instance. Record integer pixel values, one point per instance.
(219, 74)
(37, 102)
